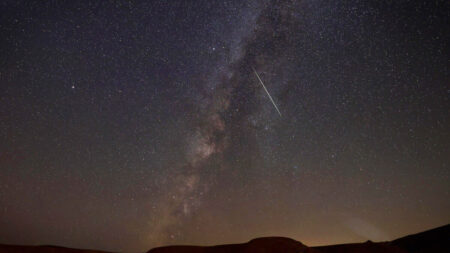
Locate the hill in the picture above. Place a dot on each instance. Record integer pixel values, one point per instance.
(265, 244)
(43, 249)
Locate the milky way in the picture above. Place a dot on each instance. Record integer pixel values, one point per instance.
(212, 136)
(130, 125)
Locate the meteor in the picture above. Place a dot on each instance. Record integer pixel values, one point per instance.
(268, 94)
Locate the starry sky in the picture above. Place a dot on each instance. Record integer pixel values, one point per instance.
(126, 125)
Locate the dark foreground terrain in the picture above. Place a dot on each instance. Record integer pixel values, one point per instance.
(432, 241)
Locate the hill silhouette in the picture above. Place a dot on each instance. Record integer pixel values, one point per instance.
(431, 241)
(265, 244)
(434, 240)
(43, 249)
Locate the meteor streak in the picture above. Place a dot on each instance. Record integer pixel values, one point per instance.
(268, 94)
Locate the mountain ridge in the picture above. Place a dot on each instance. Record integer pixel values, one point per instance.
(429, 241)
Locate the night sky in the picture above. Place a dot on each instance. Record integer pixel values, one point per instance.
(127, 125)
